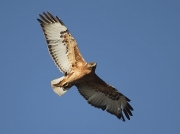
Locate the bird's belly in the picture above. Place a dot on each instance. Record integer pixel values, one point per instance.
(78, 77)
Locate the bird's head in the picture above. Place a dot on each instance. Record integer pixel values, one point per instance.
(92, 65)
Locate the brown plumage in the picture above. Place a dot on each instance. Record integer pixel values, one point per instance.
(77, 72)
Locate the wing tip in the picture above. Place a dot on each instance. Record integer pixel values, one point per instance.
(47, 18)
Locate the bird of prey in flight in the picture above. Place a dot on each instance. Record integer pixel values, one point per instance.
(77, 72)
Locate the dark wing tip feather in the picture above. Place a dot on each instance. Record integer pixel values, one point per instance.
(126, 113)
(123, 118)
(47, 18)
(130, 107)
(120, 116)
(59, 20)
(40, 21)
(129, 112)
(127, 99)
(52, 17)
(44, 18)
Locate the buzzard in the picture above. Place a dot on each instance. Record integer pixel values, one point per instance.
(77, 72)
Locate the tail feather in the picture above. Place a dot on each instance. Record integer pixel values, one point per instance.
(58, 90)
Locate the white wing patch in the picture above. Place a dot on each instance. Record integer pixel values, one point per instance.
(58, 53)
(100, 100)
(53, 29)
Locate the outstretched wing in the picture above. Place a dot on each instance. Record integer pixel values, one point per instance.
(61, 44)
(101, 95)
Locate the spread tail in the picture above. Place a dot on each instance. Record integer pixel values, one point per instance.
(58, 90)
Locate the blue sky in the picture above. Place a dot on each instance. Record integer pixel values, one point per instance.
(136, 45)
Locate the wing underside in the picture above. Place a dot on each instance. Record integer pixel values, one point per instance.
(61, 45)
(101, 95)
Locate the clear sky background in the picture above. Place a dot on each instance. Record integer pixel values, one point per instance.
(136, 45)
